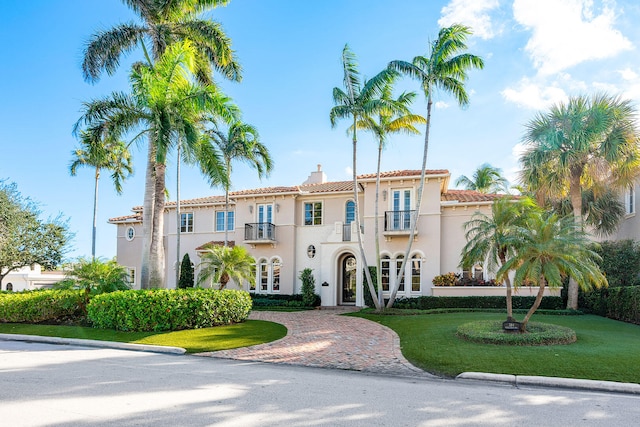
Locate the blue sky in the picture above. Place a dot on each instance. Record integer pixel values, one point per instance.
(536, 52)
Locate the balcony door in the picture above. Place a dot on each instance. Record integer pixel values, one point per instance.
(265, 218)
(401, 206)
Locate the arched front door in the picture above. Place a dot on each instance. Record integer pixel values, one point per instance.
(348, 268)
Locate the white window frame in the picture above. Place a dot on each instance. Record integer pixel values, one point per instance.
(225, 221)
(185, 225)
(268, 278)
(313, 213)
(133, 233)
(630, 201)
(132, 276)
(390, 268)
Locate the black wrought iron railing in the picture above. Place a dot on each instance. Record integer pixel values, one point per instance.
(260, 231)
(399, 220)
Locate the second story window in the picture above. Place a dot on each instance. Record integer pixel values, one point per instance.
(350, 212)
(221, 222)
(186, 222)
(313, 213)
(630, 201)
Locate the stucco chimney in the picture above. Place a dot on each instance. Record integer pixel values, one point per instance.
(317, 177)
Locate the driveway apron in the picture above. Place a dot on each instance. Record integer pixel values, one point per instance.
(324, 338)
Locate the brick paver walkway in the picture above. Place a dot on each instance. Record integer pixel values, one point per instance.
(324, 338)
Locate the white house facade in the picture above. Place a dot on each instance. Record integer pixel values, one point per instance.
(312, 225)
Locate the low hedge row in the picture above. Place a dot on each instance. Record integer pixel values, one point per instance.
(621, 303)
(490, 332)
(277, 300)
(519, 302)
(168, 309)
(40, 306)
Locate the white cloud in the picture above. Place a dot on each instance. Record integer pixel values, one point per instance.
(529, 94)
(348, 171)
(628, 74)
(569, 32)
(474, 13)
(442, 105)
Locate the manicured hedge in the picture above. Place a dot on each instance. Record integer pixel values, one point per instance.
(431, 302)
(40, 306)
(490, 332)
(277, 300)
(622, 303)
(168, 309)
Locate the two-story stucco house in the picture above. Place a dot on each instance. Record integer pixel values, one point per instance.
(311, 225)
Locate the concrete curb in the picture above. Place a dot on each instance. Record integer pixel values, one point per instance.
(571, 383)
(93, 343)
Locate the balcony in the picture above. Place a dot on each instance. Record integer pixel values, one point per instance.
(399, 222)
(259, 232)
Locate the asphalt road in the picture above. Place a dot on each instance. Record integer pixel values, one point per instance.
(54, 385)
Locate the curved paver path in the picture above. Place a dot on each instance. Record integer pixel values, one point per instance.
(324, 338)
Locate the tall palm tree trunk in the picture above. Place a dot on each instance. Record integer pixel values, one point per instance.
(157, 261)
(576, 201)
(507, 282)
(95, 215)
(414, 225)
(226, 203)
(377, 230)
(148, 217)
(367, 273)
(178, 217)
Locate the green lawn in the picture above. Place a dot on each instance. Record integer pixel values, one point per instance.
(605, 350)
(244, 334)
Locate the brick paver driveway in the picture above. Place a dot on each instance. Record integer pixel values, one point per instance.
(324, 338)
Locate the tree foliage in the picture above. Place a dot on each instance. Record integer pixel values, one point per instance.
(25, 239)
(620, 262)
(486, 179)
(308, 287)
(222, 264)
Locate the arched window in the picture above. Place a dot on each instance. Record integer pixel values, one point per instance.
(398, 262)
(349, 212)
(416, 273)
(385, 268)
(9, 286)
(275, 275)
(263, 276)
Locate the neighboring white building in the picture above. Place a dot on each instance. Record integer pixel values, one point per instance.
(30, 278)
(288, 229)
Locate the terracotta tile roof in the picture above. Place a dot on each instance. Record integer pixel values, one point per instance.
(327, 187)
(266, 190)
(199, 201)
(230, 243)
(127, 218)
(466, 196)
(404, 173)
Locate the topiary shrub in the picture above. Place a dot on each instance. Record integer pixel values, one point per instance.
(41, 305)
(168, 310)
(308, 287)
(187, 275)
(621, 303)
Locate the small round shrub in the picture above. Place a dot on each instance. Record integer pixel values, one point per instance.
(491, 332)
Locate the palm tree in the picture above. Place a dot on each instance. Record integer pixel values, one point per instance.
(240, 142)
(397, 120)
(357, 101)
(492, 240)
(445, 68)
(162, 23)
(167, 106)
(588, 142)
(551, 249)
(220, 264)
(486, 179)
(101, 152)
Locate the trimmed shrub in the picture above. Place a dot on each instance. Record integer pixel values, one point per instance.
(308, 287)
(168, 309)
(41, 305)
(431, 302)
(490, 332)
(621, 303)
(187, 274)
(277, 300)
